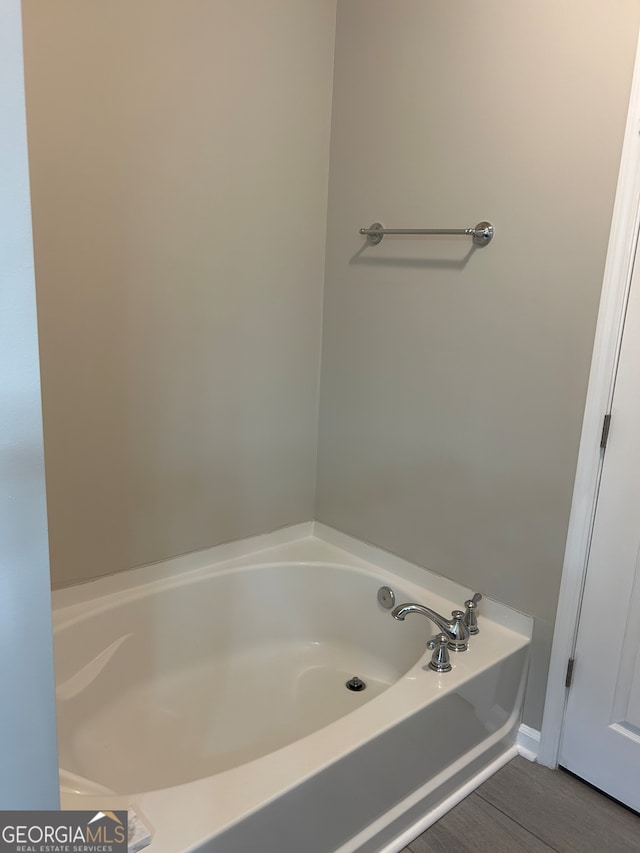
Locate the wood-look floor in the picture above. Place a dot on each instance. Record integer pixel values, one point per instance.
(527, 808)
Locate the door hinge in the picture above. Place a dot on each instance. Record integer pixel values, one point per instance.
(569, 677)
(605, 430)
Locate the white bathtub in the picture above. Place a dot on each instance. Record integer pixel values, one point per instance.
(208, 694)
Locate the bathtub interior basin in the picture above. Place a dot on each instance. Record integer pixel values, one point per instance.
(182, 681)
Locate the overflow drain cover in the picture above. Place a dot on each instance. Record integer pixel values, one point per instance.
(386, 597)
(355, 684)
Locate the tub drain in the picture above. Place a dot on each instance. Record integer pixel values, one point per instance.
(355, 684)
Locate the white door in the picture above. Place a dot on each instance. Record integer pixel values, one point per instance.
(601, 733)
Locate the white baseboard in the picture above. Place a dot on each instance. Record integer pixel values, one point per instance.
(528, 742)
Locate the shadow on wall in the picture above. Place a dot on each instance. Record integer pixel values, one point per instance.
(365, 255)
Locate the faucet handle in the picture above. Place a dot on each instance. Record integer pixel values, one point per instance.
(440, 659)
(470, 617)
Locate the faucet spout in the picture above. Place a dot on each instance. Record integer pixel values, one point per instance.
(455, 629)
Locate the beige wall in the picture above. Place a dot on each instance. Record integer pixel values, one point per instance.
(179, 158)
(453, 382)
(179, 162)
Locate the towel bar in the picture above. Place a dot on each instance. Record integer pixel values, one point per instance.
(482, 234)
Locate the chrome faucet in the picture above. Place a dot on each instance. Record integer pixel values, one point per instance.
(455, 629)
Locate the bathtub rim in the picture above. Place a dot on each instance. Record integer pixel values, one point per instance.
(283, 545)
